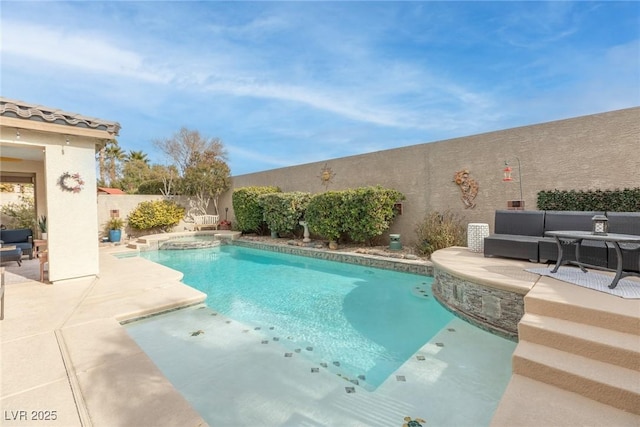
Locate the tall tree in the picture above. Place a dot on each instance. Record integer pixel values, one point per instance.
(140, 156)
(114, 156)
(103, 169)
(185, 144)
(205, 179)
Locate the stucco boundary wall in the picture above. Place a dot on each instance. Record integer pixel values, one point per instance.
(597, 151)
(125, 204)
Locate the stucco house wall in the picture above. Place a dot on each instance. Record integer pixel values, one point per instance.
(599, 151)
(47, 143)
(72, 227)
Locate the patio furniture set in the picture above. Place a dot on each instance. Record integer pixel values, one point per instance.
(566, 237)
(15, 244)
(19, 242)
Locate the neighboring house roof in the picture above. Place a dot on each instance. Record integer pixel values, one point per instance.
(110, 190)
(22, 110)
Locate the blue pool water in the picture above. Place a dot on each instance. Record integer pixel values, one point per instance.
(361, 322)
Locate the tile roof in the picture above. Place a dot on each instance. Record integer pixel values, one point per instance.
(20, 109)
(110, 190)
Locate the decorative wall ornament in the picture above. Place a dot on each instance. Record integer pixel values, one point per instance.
(468, 187)
(326, 176)
(71, 182)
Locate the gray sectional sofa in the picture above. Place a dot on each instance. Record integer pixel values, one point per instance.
(521, 235)
(20, 238)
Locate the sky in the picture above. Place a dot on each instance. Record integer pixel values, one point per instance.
(286, 83)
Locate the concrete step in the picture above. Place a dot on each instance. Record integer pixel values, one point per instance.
(612, 385)
(553, 298)
(530, 403)
(604, 345)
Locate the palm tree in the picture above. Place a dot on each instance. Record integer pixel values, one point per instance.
(114, 155)
(137, 156)
(102, 160)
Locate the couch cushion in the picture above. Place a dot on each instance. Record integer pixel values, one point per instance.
(569, 220)
(523, 223)
(512, 246)
(15, 236)
(624, 222)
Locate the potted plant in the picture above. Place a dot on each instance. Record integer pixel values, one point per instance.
(224, 225)
(42, 225)
(115, 229)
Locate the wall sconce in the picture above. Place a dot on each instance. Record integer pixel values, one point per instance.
(507, 178)
(600, 225)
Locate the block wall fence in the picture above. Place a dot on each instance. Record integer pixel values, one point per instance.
(600, 151)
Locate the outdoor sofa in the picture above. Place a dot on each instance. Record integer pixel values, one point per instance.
(20, 238)
(521, 235)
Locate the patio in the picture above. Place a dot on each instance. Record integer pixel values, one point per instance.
(65, 351)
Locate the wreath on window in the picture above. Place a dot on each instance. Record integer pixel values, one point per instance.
(71, 182)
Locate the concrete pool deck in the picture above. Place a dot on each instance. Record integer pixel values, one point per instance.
(64, 350)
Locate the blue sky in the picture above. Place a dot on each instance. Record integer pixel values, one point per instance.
(284, 83)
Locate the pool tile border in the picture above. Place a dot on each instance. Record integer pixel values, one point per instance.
(424, 268)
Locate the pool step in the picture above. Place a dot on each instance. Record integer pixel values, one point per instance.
(553, 298)
(603, 382)
(604, 345)
(531, 403)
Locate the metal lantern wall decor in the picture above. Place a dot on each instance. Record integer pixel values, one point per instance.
(506, 177)
(600, 225)
(507, 174)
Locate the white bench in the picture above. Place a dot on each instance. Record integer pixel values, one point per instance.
(206, 221)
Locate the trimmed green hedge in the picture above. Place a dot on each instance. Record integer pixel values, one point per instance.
(627, 200)
(283, 211)
(247, 209)
(324, 214)
(361, 214)
(158, 214)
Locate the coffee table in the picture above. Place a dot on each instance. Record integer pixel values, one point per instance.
(614, 239)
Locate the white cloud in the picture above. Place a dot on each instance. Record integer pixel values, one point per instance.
(79, 51)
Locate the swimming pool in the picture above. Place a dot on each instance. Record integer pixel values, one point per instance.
(361, 323)
(236, 372)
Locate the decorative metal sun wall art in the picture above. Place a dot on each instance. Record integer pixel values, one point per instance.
(326, 176)
(468, 187)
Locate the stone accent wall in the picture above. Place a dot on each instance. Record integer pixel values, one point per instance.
(491, 309)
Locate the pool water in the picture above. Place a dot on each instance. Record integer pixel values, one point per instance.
(362, 323)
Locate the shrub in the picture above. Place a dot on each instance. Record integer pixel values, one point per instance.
(21, 214)
(369, 212)
(249, 214)
(283, 211)
(159, 214)
(324, 214)
(440, 230)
